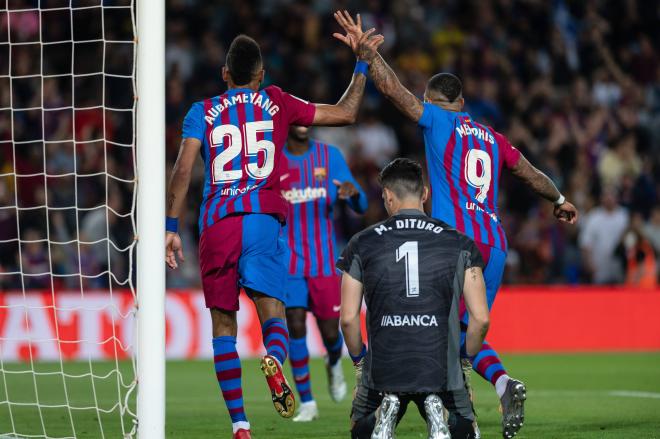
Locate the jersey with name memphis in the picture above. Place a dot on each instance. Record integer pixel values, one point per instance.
(306, 183)
(465, 161)
(243, 134)
(412, 268)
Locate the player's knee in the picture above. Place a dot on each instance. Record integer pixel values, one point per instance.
(329, 330)
(295, 321)
(223, 323)
(363, 427)
(267, 307)
(460, 427)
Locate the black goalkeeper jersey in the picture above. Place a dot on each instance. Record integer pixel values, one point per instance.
(412, 268)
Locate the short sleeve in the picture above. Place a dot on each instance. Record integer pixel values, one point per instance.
(299, 111)
(349, 262)
(427, 116)
(193, 123)
(436, 118)
(510, 154)
(476, 259)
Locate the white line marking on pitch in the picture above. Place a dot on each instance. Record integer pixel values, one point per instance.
(594, 392)
(634, 394)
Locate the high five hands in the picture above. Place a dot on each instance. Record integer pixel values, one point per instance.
(364, 44)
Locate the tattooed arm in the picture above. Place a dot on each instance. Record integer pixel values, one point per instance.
(474, 293)
(389, 85)
(542, 185)
(383, 76)
(345, 111)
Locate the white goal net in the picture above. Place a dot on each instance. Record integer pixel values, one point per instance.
(67, 218)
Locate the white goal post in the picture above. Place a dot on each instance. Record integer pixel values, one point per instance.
(151, 218)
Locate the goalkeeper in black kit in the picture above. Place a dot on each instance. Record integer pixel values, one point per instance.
(411, 270)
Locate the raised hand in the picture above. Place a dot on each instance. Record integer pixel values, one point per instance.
(367, 48)
(353, 29)
(363, 44)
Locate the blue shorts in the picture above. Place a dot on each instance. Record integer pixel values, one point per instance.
(493, 274)
(242, 251)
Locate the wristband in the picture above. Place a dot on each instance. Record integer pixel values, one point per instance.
(561, 200)
(464, 353)
(171, 224)
(361, 67)
(360, 356)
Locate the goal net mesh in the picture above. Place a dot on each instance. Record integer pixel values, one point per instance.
(67, 218)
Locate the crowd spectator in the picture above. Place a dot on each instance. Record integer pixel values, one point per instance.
(602, 230)
(574, 85)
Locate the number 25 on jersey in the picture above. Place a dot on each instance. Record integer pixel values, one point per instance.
(236, 142)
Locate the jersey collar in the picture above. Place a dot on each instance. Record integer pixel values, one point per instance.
(301, 156)
(413, 212)
(232, 91)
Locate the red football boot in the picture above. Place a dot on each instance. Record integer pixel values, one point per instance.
(283, 399)
(242, 434)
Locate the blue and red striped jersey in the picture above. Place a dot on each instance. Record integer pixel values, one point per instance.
(307, 184)
(243, 134)
(465, 160)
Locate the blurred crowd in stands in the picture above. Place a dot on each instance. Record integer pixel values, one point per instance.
(575, 85)
(66, 131)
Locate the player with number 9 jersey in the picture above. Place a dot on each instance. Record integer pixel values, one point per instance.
(465, 161)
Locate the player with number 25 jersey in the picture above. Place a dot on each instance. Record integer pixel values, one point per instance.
(240, 135)
(243, 133)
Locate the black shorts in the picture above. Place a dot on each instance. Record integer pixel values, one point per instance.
(457, 402)
(366, 401)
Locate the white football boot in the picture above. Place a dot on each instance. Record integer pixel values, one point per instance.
(336, 381)
(307, 412)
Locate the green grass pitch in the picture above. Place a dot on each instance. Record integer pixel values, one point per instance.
(569, 396)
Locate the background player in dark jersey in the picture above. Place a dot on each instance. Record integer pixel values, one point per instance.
(465, 160)
(412, 271)
(313, 179)
(240, 135)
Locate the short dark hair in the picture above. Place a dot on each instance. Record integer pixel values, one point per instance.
(243, 59)
(404, 177)
(447, 84)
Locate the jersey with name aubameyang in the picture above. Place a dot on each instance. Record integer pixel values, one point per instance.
(243, 134)
(306, 182)
(465, 161)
